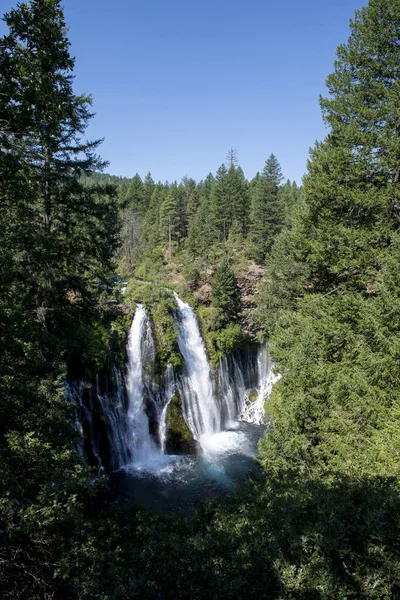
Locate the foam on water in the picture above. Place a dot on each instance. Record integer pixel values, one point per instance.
(156, 466)
(226, 442)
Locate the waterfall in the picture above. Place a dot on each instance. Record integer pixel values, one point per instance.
(124, 423)
(114, 415)
(169, 392)
(201, 412)
(253, 408)
(245, 380)
(139, 379)
(85, 418)
(232, 387)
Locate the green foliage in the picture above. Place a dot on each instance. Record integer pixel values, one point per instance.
(169, 219)
(321, 519)
(335, 412)
(225, 292)
(134, 196)
(202, 232)
(229, 200)
(267, 210)
(229, 338)
(192, 274)
(166, 332)
(58, 239)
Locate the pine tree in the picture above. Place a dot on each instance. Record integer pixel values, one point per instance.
(148, 188)
(169, 220)
(76, 226)
(333, 295)
(135, 196)
(203, 232)
(238, 191)
(225, 291)
(229, 200)
(267, 214)
(192, 207)
(58, 236)
(219, 205)
(289, 195)
(151, 224)
(206, 185)
(352, 189)
(254, 181)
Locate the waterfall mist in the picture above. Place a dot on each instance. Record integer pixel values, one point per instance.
(123, 419)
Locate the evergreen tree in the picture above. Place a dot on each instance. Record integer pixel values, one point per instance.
(219, 205)
(151, 224)
(202, 233)
(238, 191)
(169, 219)
(148, 188)
(206, 185)
(135, 196)
(76, 225)
(253, 183)
(58, 238)
(352, 191)
(192, 207)
(289, 197)
(232, 157)
(229, 200)
(267, 214)
(187, 187)
(327, 302)
(225, 291)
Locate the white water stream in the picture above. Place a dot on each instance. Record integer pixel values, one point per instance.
(216, 406)
(141, 350)
(200, 408)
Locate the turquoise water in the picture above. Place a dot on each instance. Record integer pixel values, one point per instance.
(180, 483)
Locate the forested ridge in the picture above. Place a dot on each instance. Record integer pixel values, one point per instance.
(313, 268)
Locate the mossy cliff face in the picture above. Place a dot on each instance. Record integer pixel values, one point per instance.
(160, 304)
(179, 437)
(166, 333)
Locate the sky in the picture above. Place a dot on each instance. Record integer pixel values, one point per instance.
(177, 83)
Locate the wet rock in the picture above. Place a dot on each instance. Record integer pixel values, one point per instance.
(179, 438)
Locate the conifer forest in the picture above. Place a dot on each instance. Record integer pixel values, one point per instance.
(199, 380)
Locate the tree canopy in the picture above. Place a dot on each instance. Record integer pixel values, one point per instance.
(320, 517)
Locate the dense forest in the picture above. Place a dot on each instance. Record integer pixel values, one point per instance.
(314, 269)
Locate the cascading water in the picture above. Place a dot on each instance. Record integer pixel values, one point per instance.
(124, 423)
(232, 391)
(236, 374)
(253, 408)
(101, 420)
(88, 446)
(141, 354)
(114, 417)
(200, 408)
(169, 392)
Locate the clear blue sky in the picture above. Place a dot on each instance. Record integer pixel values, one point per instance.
(176, 83)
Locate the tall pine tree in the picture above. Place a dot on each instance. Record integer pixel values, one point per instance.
(352, 189)
(58, 237)
(267, 213)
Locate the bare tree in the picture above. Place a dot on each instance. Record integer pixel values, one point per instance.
(232, 157)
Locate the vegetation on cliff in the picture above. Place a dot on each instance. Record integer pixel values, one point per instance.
(322, 518)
